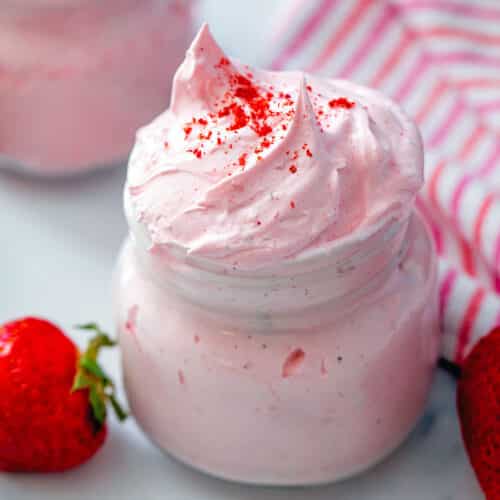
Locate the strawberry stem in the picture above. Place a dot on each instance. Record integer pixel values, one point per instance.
(92, 377)
(119, 411)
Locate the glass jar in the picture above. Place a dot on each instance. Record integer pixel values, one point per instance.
(78, 77)
(305, 374)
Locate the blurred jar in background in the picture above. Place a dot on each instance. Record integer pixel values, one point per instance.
(78, 77)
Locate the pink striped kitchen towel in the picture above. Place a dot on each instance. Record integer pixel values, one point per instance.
(441, 60)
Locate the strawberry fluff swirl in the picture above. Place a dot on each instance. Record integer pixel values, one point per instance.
(251, 167)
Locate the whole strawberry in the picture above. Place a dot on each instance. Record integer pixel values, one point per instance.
(478, 401)
(53, 399)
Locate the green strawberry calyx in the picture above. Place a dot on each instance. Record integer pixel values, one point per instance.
(91, 376)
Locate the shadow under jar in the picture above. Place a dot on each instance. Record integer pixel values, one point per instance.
(305, 375)
(78, 77)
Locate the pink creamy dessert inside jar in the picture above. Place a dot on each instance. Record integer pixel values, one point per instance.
(78, 77)
(276, 299)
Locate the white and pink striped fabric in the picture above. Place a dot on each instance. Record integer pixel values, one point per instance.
(441, 60)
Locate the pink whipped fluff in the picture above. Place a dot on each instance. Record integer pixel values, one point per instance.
(78, 77)
(250, 167)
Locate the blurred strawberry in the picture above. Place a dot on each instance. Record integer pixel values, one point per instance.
(478, 402)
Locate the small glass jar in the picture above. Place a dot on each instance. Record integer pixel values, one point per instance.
(78, 77)
(304, 374)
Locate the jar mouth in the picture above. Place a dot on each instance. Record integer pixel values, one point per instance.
(316, 282)
(312, 283)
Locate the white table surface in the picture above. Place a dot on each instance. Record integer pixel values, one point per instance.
(57, 252)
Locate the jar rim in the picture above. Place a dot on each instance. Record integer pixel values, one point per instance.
(326, 285)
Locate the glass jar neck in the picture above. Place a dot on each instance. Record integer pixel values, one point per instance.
(334, 278)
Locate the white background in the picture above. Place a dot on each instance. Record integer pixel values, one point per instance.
(58, 248)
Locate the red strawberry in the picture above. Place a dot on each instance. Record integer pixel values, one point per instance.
(478, 401)
(53, 399)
